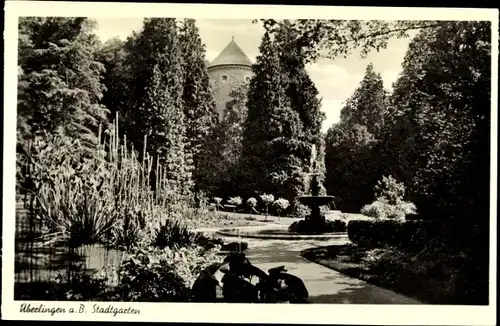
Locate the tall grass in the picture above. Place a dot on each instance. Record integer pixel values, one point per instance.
(98, 195)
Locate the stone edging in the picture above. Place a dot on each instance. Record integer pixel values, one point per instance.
(244, 234)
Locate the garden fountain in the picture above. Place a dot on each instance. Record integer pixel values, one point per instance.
(314, 226)
(314, 222)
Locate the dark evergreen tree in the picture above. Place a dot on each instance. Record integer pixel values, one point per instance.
(368, 103)
(351, 161)
(198, 101)
(284, 125)
(155, 108)
(117, 78)
(301, 92)
(265, 97)
(220, 170)
(59, 78)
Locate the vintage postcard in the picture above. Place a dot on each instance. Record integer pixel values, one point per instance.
(249, 163)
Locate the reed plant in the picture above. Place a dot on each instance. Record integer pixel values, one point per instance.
(100, 196)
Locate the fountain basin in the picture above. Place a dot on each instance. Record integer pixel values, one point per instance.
(279, 234)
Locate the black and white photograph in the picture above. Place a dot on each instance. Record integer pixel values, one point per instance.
(250, 159)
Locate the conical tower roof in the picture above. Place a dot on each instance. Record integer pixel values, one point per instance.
(231, 55)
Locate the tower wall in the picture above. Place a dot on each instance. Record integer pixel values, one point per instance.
(224, 79)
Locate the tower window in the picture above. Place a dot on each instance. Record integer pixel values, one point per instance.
(247, 79)
(224, 78)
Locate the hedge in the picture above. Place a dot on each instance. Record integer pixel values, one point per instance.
(413, 234)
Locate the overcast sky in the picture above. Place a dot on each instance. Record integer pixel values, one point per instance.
(336, 80)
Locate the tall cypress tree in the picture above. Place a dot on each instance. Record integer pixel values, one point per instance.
(198, 101)
(353, 164)
(276, 152)
(368, 104)
(265, 95)
(156, 98)
(302, 94)
(300, 89)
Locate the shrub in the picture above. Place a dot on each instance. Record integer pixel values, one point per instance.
(218, 200)
(389, 189)
(301, 211)
(336, 226)
(156, 275)
(174, 233)
(281, 204)
(389, 203)
(193, 217)
(304, 226)
(71, 190)
(251, 202)
(382, 209)
(412, 235)
(323, 210)
(128, 231)
(236, 201)
(267, 199)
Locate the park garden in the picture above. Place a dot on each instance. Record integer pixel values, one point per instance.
(123, 161)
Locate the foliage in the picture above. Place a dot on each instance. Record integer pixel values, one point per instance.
(116, 76)
(390, 190)
(351, 167)
(283, 123)
(448, 117)
(59, 89)
(267, 199)
(301, 210)
(265, 96)
(251, 202)
(155, 111)
(333, 38)
(368, 104)
(156, 275)
(197, 98)
(300, 89)
(174, 233)
(389, 201)
(77, 284)
(281, 205)
(435, 263)
(329, 226)
(349, 160)
(434, 275)
(236, 201)
(407, 235)
(382, 209)
(221, 169)
(100, 198)
(67, 190)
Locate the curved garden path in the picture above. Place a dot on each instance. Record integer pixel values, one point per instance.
(325, 285)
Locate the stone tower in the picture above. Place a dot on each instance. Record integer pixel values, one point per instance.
(231, 68)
